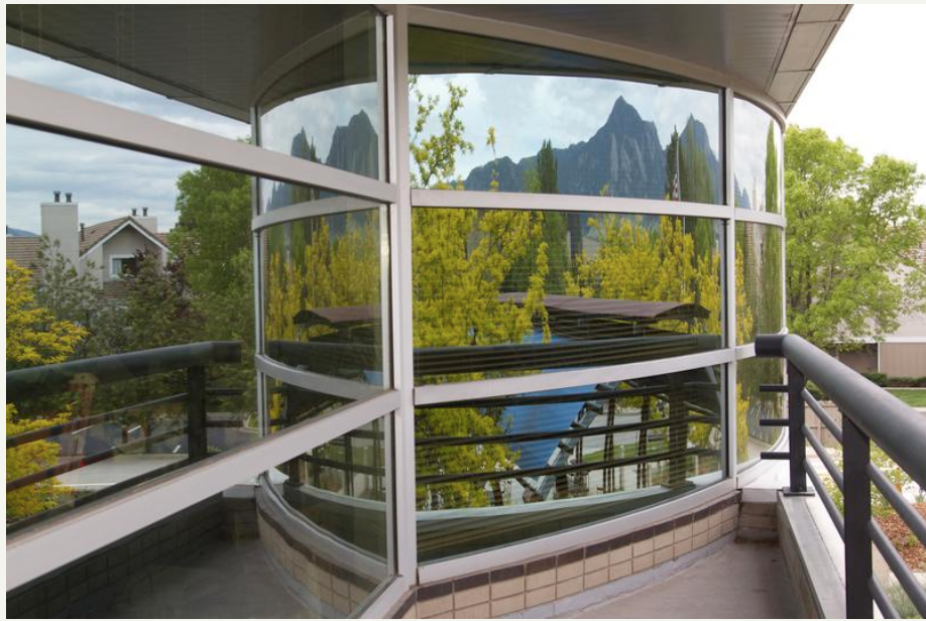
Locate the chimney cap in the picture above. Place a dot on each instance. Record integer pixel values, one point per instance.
(134, 211)
(144, 211)
(67, 197)
(57, 196)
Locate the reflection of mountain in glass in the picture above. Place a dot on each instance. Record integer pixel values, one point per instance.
(623, 158)
(354, 148)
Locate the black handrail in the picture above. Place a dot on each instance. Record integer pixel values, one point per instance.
(50, 378)
(194, 358)
(870, 414)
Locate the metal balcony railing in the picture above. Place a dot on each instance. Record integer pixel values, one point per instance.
(869, 414)
(44, 381)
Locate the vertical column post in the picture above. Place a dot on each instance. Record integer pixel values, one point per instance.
(198, 446)
(798, 450)
(857, 499)
(678, 433)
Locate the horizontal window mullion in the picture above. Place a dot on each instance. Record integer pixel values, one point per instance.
(760, 217)
(316, 382)
(48, 109)
(59, 542)
(439, 393)
(565, 202)
(312, 209)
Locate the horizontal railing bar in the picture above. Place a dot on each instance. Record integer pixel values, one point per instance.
(224, 391)
(533, 472)
(908, 514)
(53, 378)
(824, 457)
(548, 399)
(828, 503)
(904, 575)
(882, 600)
(344, 466)
(48, 473)
(823, 415)
(895, 427)
(773, 388)
(80, 423)
(774, 422)
(442, 441)
(775, 455)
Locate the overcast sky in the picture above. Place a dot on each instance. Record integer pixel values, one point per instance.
(869, 89)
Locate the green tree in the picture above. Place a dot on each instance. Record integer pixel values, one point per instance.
(853, 231)
(213, 242)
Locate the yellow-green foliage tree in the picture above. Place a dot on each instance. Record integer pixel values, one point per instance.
(461, 260)
(33, 337)
(318, 269)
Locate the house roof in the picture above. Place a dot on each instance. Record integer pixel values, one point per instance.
(92, 235)
(24, 251)
(98, 233)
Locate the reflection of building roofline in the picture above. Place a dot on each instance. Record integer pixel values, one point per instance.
(631, 310)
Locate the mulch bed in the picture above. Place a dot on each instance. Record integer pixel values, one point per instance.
(913, 552)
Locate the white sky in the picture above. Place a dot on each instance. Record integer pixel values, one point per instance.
(869, 89)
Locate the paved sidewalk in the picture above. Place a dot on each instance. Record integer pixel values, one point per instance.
(739, 581)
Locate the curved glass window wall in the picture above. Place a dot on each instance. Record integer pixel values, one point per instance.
(495, 471)
(758, 170)
(532, 119)
(759, 305)
(508, 292)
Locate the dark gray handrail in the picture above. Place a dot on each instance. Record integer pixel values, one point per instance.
(52, 378)
(870, 415)
(898, 429)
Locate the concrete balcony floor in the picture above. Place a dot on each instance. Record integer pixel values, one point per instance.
(741, 580)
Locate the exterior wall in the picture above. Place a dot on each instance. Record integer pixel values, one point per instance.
(127, 242)
(60, 223)
(536, 588)
(864, 360)
(90, 586)
(903, 359)
(96, 258)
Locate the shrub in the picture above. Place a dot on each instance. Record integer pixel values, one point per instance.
(878, 378)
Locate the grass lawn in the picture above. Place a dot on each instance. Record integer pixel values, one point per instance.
(911, 396)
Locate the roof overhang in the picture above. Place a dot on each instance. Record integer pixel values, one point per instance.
(127, 224)
(767, 52)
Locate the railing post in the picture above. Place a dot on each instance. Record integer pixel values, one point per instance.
(197, 441)
(857, 508)
(798, 448)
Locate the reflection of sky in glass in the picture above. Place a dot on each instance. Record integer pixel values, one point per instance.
(106, 182)
(525, 110)
(319, 114)
(750, 138)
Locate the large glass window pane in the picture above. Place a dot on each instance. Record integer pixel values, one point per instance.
(158, 355)
(323, 297)
(308, 540)
(500, 293)
(501, 115)
(758, 158)
(313, 72)
(759, 284)
(496, 471)
(326, 107)
(753, 405)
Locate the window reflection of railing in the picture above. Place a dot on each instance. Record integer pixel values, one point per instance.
(132, 430)
(623, 445)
